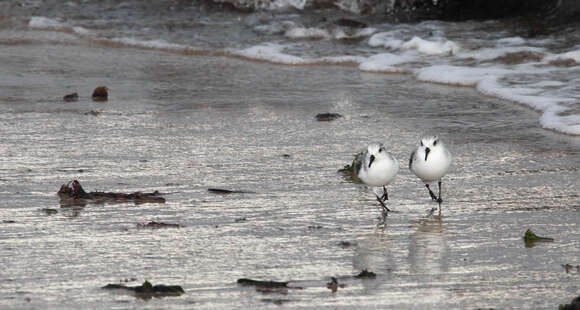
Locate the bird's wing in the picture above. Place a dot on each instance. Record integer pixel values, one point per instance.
(358, 164)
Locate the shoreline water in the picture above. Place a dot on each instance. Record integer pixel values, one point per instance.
(547, 96)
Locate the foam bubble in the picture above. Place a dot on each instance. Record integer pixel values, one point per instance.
(511, 41)
(497, 52)
(553, 119)
(386, 40)
(81, 31)
(547, 84)
(523, 95)
(453, 75)
(271, 52)
(572, 55)
(40, 22)
(340, 34)
(350, 6)
(283, 4)
(557, 111)
(152, 44)
(535, 95)
(307, 33)
(318, 33)
(431, 47)
(275, 27)
(384, 62)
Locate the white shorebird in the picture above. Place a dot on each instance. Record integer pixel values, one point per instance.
(376, 167)
(430, 162)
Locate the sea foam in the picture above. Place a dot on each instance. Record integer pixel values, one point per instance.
(384, 62)
(149, 44)
(431, 47)
(385, 39)
(553, 108)
(528, 71)
(461, 76)
(273, 53)
(572, 55)
(40, 22)
(283, 4)
(307, 33)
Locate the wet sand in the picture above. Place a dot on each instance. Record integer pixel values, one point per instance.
(182, 124)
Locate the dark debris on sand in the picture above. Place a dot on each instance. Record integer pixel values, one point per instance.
(49, 211)
(226, 191)
(71, 97)
(276, 301)
(267, 286)
(92, 113)
(530, 239)
(333, 284)
(258, 283)
(327, 117)
(346, 244)
(365, 274)
(569, 268)
(72, 194)
(157, 225)
(101, 93)
(148, 290)
(348, 171)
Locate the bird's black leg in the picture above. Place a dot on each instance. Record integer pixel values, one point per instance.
(385, 209)
(385, 194)
(431, 192)
(439, 200)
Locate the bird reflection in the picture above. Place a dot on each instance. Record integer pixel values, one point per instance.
(418, 253)
(376, 253)
(428, 248)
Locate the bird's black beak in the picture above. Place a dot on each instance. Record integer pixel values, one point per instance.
(371, 161)
(427, 150)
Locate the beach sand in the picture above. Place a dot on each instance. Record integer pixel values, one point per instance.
(182, 124)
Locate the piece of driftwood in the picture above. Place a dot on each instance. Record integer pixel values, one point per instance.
(157, 225)
(226, 191)
(270, 284)
(148, 290)
(327, 117)
(73, 193)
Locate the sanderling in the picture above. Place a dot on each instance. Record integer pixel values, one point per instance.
(430, 161)
(377, 167)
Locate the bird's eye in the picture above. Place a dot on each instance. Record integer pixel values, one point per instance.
(421, 143)
(380, 150)
(435, 143)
